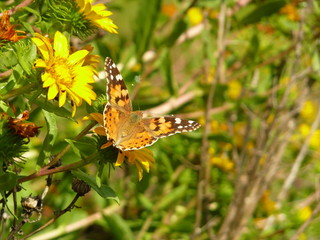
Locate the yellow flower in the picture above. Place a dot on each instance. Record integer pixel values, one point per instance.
(304, 213)
(64, 74)
(291, 11)
(222, 162)
(304, 129)
(308, 110)
(142, 158)
(90, 59)
(315, 139)
(234, 89)
(195, 16)
(97, 14)
(267, 203)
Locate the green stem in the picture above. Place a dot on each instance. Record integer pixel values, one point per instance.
(19, 91)
(79, 136)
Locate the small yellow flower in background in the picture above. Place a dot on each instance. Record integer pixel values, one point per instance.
(142, 158)
(97, 15)
(315, 139)
(304, 129)
(169, 9)
(218, 127)
(291, 11)
(304, 213)
(267, 203)
(195, 16)
(239, 129)
(234, 89)
(208, 77)
(213, 14)
(302, 236)
(270, 118)
(222, 162)
(308, 110)
(136, 67)
(64, 75)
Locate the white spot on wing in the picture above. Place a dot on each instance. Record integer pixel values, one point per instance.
(118, 77)
(178, 120)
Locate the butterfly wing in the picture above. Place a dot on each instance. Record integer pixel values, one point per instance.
(117, 92)
(119, 105)
(167, 126)
(129, 133)
(139, 139)
(149, 130)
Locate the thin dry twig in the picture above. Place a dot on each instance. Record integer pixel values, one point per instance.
(20, 5)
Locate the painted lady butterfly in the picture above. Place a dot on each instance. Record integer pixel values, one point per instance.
(127, 129)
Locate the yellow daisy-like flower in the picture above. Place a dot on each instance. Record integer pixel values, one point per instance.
(142, 158)
(65, 74)
(97, 14)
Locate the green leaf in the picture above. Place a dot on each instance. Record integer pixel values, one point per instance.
(26, 54)
(74, 148)
(83, 147)
(8, 181)
(104, 190)
(173, 196)
(52, 108)
(178, 29)
(6, 108)
(120, 228)
(50, 137)
(146, 21)
(254, 13)
(8, 87)
(165, 65)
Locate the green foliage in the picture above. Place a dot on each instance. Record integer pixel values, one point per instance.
(247, 173)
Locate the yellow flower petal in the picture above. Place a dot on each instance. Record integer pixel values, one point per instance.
(60, 45)
(53, 91)
(77, 57)
(140, 171)
(62, 98)
(40, 63)
(47, 80)
(100, 131)
(120, 159)
(108, 144)
(44, 46)
(74, 109)
(97, 14)
(98, 117)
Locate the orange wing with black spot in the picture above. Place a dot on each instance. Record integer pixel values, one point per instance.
(117, 92)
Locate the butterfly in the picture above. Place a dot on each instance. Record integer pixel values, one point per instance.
(128, 129)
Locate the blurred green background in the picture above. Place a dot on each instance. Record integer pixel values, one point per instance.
(248, 71)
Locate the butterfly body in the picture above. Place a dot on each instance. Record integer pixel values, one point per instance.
(127, 129)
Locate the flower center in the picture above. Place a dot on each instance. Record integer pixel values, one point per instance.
(62, 73)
